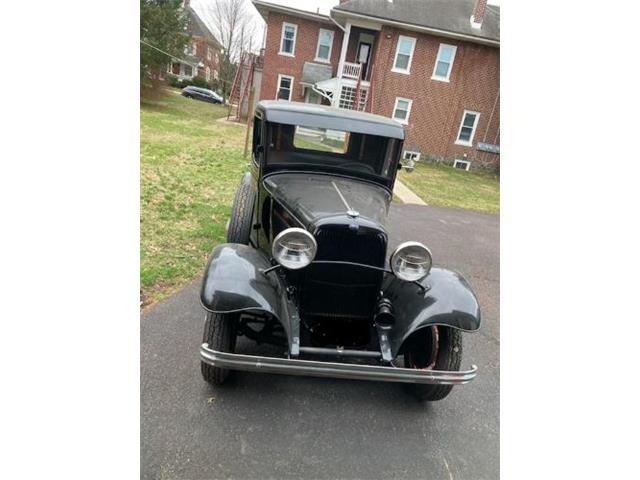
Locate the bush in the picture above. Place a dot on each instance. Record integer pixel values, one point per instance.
(181, 83)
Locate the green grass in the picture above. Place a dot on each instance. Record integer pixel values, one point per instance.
(190, 166)
(445, 186)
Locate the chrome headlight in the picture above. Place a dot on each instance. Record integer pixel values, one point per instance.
(294, 248)
(411, 261)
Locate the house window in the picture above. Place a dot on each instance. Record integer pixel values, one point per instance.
(404, 54)
(288, 41)
(285, 86)
(209, 53)
(215, 74)
(467, 128)
(187, 70)
(461, 164)
(444, 62)
(409, 155)
(207, 74)
(325, 41)
(190, 49)
(402, 109)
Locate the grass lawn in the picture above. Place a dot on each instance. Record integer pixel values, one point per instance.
(447, 187)
(190, 166)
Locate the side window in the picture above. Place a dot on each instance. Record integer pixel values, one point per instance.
(288, 40)
(404, 54)
(467, 128)
(257, 138)
(444, 62)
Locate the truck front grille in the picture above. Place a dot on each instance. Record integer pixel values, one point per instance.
(344, 291)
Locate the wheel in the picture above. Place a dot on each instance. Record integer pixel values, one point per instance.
(437, 348)
(220, 333)
(242, 212)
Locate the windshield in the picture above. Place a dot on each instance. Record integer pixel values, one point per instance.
(296, 146)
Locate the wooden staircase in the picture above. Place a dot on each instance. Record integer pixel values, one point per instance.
(241, 87)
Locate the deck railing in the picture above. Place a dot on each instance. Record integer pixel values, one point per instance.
(351, 70)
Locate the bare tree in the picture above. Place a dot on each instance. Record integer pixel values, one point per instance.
(235, 27)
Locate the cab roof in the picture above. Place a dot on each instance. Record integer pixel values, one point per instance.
(322, 116)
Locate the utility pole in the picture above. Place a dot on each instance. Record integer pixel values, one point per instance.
(249, 118)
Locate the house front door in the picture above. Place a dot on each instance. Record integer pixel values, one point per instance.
(364, 52)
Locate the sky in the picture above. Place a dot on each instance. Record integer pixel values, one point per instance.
(324, 6)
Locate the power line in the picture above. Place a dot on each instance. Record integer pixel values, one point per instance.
(176, 58)
(167, 53)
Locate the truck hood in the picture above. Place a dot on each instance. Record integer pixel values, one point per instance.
(317, 198)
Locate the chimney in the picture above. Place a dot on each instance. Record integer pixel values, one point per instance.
(477, 17)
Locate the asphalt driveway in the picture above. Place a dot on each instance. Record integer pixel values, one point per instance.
(263, 426)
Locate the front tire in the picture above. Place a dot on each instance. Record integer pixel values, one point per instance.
(220, 333)
(242, 212)
(439, 348)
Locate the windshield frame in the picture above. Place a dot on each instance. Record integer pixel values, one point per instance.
(392, 159)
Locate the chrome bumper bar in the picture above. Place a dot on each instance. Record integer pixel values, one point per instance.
(252, 363)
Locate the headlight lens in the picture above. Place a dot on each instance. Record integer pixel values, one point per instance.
(411, 261)
(294, 248)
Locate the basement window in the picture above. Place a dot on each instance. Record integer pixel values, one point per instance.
(444, 62)
(461, 164)
(409, 155)
(288, 40)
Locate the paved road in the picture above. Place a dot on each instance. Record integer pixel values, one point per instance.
(270, 426)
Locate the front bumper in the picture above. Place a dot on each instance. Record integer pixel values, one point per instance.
(234, 361)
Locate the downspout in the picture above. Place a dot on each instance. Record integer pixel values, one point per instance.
(486, 132)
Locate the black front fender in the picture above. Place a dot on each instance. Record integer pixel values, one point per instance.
(234, 282)
(448, 300)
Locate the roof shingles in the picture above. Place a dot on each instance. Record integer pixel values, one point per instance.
(448, 15)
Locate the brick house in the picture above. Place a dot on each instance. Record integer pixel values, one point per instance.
(202, 54)
(433, 65)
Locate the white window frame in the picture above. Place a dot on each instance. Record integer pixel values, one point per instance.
(209, 53)
(466, 164)
(194, 71)
(295, 39)
(395, 57)
(323, 60)
(280, 77)
(411, 152)
(207, 74)
(435, 66)
(473, 132)
(395, 107)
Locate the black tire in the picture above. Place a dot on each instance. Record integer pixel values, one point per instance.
(220, 333)
(449, 356)
(242, 212)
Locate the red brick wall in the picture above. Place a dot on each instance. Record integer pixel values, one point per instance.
(437, 107)
(201, 52)
(305, 51)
